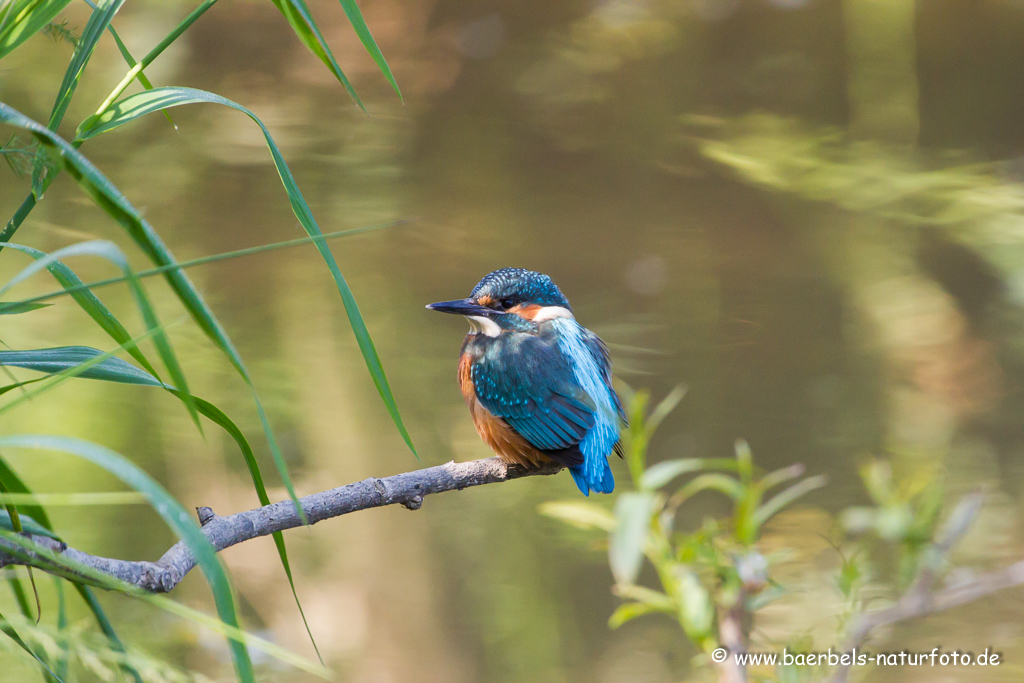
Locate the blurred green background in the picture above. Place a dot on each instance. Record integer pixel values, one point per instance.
(808, 211)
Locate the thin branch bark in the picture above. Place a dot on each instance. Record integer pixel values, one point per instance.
(734, 636)
(406, 489)
(922, 599)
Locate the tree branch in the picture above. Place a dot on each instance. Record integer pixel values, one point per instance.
(922, 599)
(406, 489)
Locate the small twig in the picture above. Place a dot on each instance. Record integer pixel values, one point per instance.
(733, 635)
(406, 489)
(205, 515)
(921, 599)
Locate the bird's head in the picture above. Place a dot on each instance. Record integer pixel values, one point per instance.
(509, 299)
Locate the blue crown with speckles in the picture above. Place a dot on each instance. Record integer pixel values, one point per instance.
(522, 285)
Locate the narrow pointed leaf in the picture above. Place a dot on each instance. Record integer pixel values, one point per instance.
(16, 307)
(22, 20)
(787, 496)
(91, 34)
(140, 104)
(62, 358)
(24, 523)
(633, 513)
(632, 610)
(355, 17)
(662, 473)
(711, 481)
(13, 483)
(111, 252)
(18, 385)
(87, 301)
(63, 565)
(116, 370)
(580, 514)
(302, 23)
(191, 263)
(173, 514)
(128, 58)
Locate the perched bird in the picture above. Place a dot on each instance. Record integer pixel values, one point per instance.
(538, 384)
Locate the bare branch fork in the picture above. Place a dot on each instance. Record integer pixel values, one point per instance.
(407, 489)
(923, 597)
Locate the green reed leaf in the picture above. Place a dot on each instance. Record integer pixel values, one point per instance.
(170, 510)
(8, 630)
(140, 104)
(355, 17)
(302, 23)
(22, 19)
(61, 565)
(37, 514)
(633, 511)
(16, 307)
(86, 300)
(91, 34)
(115, 370)
(59, 359)
(111, 252)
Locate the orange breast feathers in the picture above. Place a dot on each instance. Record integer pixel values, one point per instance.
(503, 440)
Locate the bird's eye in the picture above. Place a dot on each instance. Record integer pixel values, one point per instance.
(507, 303)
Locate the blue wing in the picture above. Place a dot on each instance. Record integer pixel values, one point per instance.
(604, 361)
(527, 381)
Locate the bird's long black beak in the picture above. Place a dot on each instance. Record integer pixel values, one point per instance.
(464, 307)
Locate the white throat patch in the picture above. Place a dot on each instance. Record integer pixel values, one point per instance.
(479, 323)
(551, 312)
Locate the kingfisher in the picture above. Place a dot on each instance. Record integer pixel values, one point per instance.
(538, 384)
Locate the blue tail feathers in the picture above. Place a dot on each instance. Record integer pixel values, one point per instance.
(595, 474)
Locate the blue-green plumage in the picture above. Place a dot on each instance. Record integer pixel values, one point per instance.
(528, 363)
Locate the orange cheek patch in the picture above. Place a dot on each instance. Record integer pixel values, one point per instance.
(486, 300)
(526, 311)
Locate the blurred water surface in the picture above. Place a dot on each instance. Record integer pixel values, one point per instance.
(808, 211)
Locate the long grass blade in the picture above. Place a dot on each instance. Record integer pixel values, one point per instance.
(87, 301)
(91, 34)
(14, 308)
(38, 522)
(8, 630)
(302, 23)
(64, 566)
(128, 58)
(110, 252)
(116, 205)
(355, 17)
(17, 306)
(58, 360)
(22, 20)
(173, 514)
(71, 372)
(150, 56)
(140, 104)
